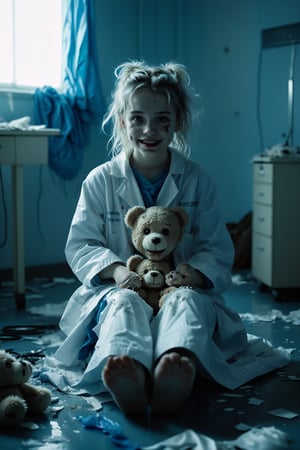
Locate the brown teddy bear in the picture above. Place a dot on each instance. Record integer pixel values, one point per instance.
(153, 275)
(155, 234)
(156, 230)
(16, 396)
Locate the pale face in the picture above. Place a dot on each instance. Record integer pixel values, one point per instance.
(150, 123)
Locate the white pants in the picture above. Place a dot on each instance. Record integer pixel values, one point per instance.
(189, 319)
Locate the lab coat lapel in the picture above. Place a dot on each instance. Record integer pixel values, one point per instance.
(168, 192)
(130, 193)
(127, 188)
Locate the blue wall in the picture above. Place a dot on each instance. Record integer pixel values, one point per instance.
(219, 41)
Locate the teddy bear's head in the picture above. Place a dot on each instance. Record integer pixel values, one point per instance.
(156, 230)
(12, 370)
(152, 273)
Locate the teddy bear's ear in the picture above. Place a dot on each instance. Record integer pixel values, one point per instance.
(133, 262)
(181, 216)
(4, 355)
(132, 214)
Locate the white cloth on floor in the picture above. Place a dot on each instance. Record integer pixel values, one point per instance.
(187, 440)
(265, 438)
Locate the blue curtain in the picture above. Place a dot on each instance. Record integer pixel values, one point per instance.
(81, 99)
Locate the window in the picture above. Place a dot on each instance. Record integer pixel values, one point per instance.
(30, 43)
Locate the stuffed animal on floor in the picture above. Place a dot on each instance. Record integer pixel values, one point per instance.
(153, 275)
(16, 395)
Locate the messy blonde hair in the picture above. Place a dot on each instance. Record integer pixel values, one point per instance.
(171, 79)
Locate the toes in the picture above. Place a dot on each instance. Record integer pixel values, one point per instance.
(125, 380)
(119, 362)
(173, 381)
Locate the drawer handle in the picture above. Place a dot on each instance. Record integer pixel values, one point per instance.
(261, 172)
(261, 219)
(261, 194)
(260, 248)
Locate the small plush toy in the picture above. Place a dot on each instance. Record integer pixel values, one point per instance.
(16, 396)
(153, 275)
(184, 275)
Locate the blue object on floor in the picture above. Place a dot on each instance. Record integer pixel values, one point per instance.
(113, 429)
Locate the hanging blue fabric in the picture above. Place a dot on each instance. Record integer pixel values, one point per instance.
(65, 151)
(81, 83)
(81, 100)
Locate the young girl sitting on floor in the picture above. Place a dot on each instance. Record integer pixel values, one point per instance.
(140, 358)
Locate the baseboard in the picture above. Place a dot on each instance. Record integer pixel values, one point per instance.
(44, 271)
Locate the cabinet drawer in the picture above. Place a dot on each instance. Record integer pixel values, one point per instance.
(262, 258)
(7, 150)
(263, 173)
(263, 193)
(262, 219)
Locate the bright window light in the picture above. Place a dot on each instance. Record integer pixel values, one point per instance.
(30, 43)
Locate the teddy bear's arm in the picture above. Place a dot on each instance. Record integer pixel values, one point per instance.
(37, 398)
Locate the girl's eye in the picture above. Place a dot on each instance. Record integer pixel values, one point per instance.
(137, 120)
(164, 120)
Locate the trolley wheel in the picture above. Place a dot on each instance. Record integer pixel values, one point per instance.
(277, 294)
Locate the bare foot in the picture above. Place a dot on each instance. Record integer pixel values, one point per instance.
(125, 379)
(173, 380)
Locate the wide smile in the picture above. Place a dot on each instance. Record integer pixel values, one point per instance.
(149, 143)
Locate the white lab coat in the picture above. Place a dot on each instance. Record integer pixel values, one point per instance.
(99, 237)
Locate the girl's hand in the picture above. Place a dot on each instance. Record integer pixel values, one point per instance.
(125, 278)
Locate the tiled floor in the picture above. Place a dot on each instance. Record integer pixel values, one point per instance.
(211, 410)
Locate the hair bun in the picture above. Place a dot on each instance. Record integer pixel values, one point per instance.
(178, 72)
(126, 70)
(137, 71)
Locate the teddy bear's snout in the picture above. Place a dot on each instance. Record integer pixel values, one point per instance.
(155, 242)
(153, 273)
(154, 278)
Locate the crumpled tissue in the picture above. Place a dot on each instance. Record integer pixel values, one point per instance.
(265, 438)
(23, 123)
